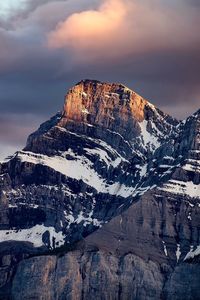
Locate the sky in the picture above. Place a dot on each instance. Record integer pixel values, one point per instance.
(47, 46)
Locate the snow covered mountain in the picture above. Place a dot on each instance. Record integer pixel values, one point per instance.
(110, 161)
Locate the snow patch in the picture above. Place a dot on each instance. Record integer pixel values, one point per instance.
(192, 166)
(104, 157)
(80, 168)
(165, 248)
(84, 94)
(85, 111)
(178, 252)
(181, 187)
(143, 170)
(88, 220)
(149, 140)
(192, 253)
(33, 235)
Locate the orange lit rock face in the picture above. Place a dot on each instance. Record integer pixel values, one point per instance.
(103, 104)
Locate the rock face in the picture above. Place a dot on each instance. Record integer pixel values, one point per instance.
(89, 275)
(109, 191)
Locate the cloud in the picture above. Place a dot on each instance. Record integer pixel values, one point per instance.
(153, 46)
(14, 131)
(126, 27)
(12, 12)
(91, 28)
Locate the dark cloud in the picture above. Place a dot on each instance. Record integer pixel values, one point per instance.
(14, 131)
(156, 53)
(21, 11)
(18, 126)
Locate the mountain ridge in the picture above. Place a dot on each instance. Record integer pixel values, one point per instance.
(110, 180)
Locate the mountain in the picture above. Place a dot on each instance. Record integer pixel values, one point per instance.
(103, 202)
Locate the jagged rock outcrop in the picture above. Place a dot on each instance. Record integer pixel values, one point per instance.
(79, 168)
(112, 184)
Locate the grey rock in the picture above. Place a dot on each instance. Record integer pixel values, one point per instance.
(95, 275)
(126, 244)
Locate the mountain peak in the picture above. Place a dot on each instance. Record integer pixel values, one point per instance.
(109, 160)
(86, 82)
(103, 103)
(110, 111)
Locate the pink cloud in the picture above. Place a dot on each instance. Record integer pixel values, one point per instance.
(125, 27)
(91, 29)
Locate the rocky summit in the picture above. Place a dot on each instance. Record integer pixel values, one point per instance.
(103, 202)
